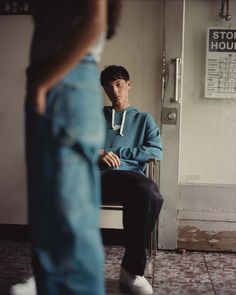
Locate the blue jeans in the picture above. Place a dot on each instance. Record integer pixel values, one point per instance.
(63, 185)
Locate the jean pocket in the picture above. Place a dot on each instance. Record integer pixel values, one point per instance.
(37, 131)
(77, 115)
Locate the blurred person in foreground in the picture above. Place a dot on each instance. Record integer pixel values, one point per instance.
(64, 132)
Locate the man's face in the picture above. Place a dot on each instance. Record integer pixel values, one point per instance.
(118, 91)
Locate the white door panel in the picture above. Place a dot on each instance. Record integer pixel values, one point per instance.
(198, 170)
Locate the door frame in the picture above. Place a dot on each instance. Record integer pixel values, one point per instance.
(172, 48)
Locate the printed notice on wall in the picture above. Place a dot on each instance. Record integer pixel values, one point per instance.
(220, 81)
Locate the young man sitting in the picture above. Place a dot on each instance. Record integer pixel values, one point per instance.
(132, 138)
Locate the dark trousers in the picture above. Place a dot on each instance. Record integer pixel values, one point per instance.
(142, 203)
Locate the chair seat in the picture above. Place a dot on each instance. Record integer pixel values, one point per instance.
(110, 206)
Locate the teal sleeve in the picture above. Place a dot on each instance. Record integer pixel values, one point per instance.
(151, 147)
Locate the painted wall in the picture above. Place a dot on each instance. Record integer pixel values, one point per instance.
(137, 46)
(208, 128)
(15, 34)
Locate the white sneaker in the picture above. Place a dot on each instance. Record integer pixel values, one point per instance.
(27, 288)
(137, 285)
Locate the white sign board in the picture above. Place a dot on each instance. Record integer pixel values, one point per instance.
(220, 80)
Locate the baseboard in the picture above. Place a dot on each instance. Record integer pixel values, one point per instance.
(14, 232)
(20, 232)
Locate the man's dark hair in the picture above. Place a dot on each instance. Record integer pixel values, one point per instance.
(112, 73)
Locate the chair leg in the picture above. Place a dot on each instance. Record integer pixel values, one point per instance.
(150, 257)
(152, 251)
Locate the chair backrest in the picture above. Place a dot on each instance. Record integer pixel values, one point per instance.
(151, 169)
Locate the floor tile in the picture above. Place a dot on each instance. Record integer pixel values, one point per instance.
(112, 270)
(191, 273)
(225, 291)
(114, 254)
(184, 289)
(221, 260)
(222, 270)
(223, 278)
(177, 269)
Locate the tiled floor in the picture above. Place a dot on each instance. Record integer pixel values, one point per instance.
(189, 273)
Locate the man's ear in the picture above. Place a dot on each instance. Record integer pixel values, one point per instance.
(129, 84)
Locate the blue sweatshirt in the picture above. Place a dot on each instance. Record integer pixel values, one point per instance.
(133, 136)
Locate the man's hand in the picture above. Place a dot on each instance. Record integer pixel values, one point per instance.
(36, 97)
(110, 159)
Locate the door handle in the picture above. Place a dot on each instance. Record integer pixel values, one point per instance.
(177, 75)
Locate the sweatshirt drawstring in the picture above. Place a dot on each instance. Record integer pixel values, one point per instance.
(115, 126)
(122, 124)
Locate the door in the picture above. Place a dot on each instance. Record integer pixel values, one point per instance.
(198, 172)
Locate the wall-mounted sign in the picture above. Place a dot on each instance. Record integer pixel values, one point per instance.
(220, 81)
